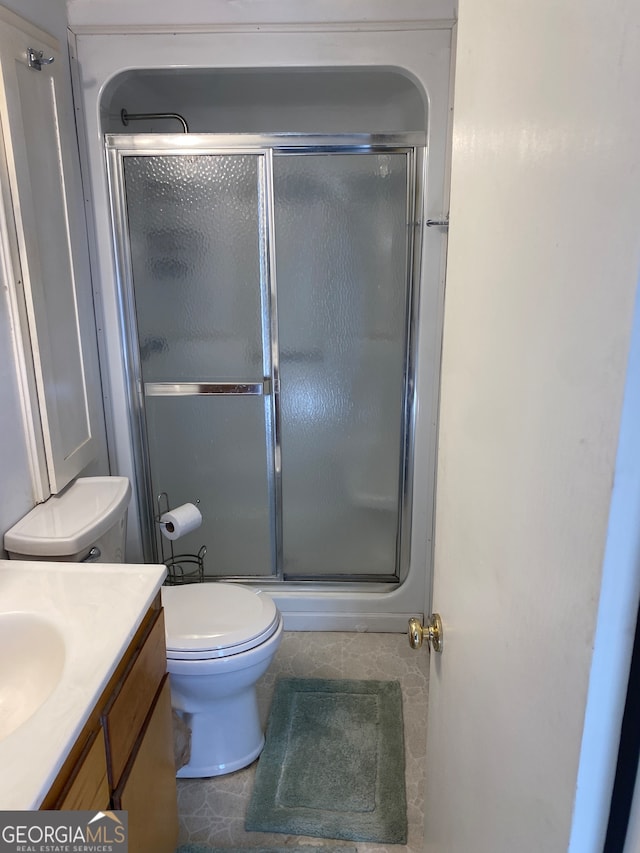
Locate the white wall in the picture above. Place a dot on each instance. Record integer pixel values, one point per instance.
(49, 15)
(122, 15)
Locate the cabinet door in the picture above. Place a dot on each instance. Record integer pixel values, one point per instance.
(89, 787)
(128, 708)
(35, 140)
(148, 791)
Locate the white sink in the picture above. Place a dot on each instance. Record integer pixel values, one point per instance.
(31, 665)
(63, 629)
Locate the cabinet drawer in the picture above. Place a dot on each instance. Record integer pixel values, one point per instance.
(89, 786)
(126, 712)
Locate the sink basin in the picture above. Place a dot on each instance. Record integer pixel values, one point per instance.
(32, 654)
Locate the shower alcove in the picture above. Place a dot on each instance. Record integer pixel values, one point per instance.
(278, 306)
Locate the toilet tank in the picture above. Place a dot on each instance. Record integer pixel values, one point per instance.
(86, 522)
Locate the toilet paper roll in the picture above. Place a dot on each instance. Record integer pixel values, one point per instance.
(179, 521)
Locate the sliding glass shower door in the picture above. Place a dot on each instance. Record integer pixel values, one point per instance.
(266, 291)
(197, 257)
(342, 254)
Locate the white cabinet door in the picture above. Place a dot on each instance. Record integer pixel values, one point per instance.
(36, 145)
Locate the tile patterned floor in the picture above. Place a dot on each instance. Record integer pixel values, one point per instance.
(212, 810)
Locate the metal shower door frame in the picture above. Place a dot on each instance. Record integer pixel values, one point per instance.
(265, 146)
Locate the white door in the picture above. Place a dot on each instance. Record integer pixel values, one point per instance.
(544, 253)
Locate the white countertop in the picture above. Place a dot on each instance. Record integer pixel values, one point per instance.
(98, 609)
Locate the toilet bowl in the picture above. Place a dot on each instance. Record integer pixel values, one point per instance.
(221, 638)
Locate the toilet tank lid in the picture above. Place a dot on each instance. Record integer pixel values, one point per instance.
(72, 520)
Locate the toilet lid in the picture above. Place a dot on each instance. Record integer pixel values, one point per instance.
(216, 619)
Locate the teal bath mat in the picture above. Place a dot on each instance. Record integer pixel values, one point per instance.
(333, 762)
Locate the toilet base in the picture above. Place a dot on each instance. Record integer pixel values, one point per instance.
(191, 771)
(225, 738)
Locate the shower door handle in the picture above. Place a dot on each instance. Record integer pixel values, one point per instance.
(197, 389)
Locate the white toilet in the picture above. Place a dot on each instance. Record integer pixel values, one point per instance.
(220, 637)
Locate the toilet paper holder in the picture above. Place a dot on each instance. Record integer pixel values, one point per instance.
(181, 568)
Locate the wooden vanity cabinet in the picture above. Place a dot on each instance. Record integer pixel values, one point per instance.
(124, 757)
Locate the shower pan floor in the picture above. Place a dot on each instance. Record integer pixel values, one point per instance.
(212, 810)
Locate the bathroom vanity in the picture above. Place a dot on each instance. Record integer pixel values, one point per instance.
(101, 737)
(124, 756)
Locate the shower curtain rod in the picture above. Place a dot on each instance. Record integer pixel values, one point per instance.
(127, 117)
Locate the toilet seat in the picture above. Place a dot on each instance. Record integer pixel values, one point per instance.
(214, 620)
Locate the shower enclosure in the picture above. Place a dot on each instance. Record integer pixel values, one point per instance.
(267, 300)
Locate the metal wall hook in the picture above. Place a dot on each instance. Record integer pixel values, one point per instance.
(36, 59)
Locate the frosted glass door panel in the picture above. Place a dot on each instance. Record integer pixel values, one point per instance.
(342, 268)
(212, 449)
(196, 239)
(197, 245)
